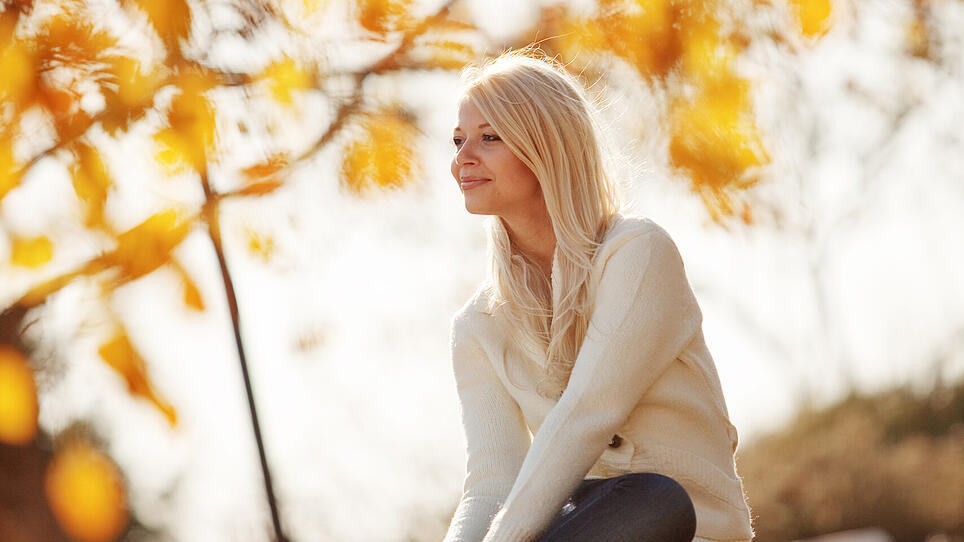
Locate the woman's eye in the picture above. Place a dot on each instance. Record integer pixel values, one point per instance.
(457, 141)
(490, 137)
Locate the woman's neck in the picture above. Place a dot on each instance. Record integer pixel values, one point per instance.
(534, 237)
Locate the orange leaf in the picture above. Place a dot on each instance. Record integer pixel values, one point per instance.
(449, 54)
(18, 398)
(170, 18)
(644, 32)
(260, 189)
(75, 40)
(192, 296)
(383, 156)
(86, 493)
(32, 252)
(382, 16)
(10, 172)
(120, 355)
(266, 173)
(147, 246)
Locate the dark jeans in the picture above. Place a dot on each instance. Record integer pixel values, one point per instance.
(635, 507)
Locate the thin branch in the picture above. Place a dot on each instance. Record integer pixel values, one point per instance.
(210, 214)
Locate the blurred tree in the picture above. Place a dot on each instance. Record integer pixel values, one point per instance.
(77, 84)
(891, 459)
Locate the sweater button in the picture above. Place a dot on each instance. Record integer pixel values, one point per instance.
(616, 441)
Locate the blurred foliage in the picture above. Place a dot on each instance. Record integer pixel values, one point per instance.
(81, 80)
(121, 356)
(18, 398)
(892, 459)
(686, 49)
(86, 494)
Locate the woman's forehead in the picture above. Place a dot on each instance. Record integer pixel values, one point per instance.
(469, 117)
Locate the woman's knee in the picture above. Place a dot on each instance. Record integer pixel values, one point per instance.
(665, 498)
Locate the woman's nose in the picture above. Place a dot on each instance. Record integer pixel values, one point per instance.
(466, 154)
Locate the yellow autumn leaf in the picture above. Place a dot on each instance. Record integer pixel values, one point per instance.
(383, 156)
(121, 356)
(268, 170)
(10, 172)
(190, 136)
(128, 91)
(192, 296)
(18, 64)
(285, 77)
(704, 53)
(91, 182)
(32, 252)
(259, 244)
(813, 17)
(714, 141)
(18, 398)
(449, 54)
(134, 87)
(173, 151)
(260, 189)
(171, 19)
(147, 246)
(643, 32)
(86, 493)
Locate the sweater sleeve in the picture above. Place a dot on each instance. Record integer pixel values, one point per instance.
(644, 315)
(496, 435)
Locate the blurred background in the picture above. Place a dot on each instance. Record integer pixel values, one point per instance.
(188, 183)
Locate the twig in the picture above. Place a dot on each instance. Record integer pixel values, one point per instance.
(210, 214)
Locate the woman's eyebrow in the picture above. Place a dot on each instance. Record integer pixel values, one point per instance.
(483, 125)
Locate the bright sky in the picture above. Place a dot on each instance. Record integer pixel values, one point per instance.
(365, 424)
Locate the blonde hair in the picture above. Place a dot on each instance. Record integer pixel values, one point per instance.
(543, 115)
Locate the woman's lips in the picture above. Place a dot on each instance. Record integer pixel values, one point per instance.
(468, 184)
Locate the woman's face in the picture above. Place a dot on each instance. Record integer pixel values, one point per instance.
(493, 180)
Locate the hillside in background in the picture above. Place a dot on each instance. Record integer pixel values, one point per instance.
(893, 459)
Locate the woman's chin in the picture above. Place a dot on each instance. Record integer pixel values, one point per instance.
(475, 208)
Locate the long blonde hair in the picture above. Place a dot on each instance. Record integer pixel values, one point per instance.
(544, 116)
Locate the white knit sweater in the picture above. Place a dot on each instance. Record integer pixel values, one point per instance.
(643, 373)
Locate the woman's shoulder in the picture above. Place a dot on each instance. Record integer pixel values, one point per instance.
(626, 228)
(478, 304)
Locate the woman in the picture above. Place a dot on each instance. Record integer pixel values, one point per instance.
(586, 336)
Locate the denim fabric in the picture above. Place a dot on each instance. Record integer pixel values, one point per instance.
(635, 507)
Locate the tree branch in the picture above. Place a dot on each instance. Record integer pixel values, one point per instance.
(210, 216)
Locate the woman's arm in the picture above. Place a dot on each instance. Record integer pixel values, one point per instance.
(496, 435)
(644, 315)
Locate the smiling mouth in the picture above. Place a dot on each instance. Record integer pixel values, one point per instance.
(472, 183)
